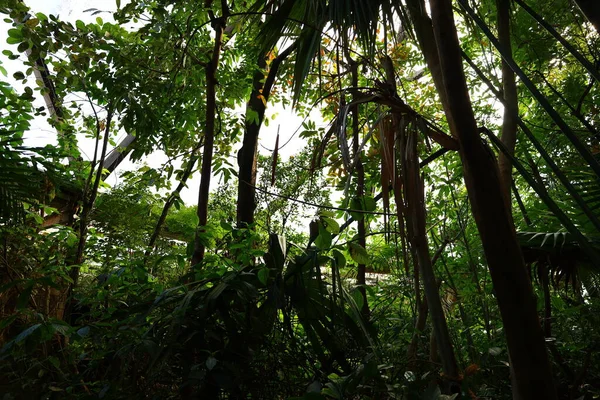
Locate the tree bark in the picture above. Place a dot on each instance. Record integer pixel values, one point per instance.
(410, 180)
(89, 199)
(508, 133)
(512, 285)
(426, 39)
(413, 347)
(511, 108)
(247, 158)
(414, 194)
(361, 272)
(209, 138)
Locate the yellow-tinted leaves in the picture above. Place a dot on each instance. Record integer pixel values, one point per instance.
(31, 23)
(331, 225)
(358, 253)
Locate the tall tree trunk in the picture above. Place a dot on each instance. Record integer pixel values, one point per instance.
(511, 109)
(409, 179)
(591, 10)
(415, 196)
(509, 124)
(361, 280)
(261, 90)
(89, 199)
(426, 39)
(209, 136)
(422, 312)
(512, 285)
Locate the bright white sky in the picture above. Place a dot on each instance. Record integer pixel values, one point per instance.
(42, 134)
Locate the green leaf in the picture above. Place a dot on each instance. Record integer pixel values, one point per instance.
(333, 391)
(340, 259)
(61, 328)
(225, 225)
(3, 71)
(356, 204)
(323, 241)
(211, 362)
(23, 47)
(15, 33)
(216, 292)
(369, 204)
(263, 275)
(331, 225)
(358, 298)
(252, 117)
(83, 332)
(358, 253)
(25, 334)
(195, 220)
(327, 213)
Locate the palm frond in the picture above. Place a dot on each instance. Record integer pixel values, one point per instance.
(307, 20)
(559, 255)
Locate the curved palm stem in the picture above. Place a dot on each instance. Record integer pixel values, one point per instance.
(593, 131)
(538, 146)
(551, 204)
(541, 99)
(586, 64)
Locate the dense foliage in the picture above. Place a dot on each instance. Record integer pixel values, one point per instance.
(436, 235)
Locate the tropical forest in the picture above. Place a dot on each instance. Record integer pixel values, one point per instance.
(300, 199)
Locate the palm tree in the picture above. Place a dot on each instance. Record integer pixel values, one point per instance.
(441, 49)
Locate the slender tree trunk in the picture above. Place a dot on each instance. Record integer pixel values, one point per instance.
(209, 137)
(509, 125)
(247, 157)
(410, 180)
(544, 278)
(513, 288)
(426, 39)
(361, 280)
(414, 193)
(89, 196)
(413, 347)
(511, 110)
(246, 203)
(521, 206)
